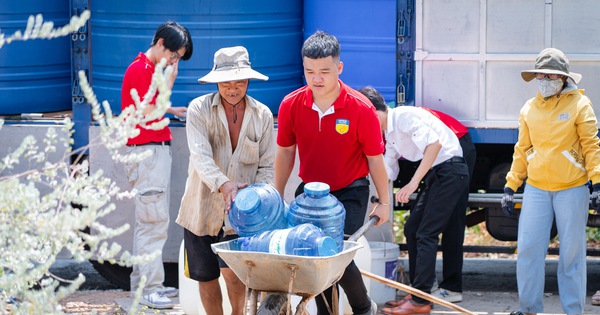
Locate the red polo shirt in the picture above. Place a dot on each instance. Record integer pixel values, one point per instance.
(335, 149)
(454, 125)
(139, 76)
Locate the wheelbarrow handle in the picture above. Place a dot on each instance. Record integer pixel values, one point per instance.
(372, 221)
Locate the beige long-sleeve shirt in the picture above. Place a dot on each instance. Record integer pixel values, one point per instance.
(212, 162)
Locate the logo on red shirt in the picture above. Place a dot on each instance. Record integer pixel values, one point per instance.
(342, 125)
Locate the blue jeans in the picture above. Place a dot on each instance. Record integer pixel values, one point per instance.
(540, 207)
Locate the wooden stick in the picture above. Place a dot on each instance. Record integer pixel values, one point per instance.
(415, 292)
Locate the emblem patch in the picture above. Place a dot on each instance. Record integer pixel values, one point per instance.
(342, 126)
(564, 116)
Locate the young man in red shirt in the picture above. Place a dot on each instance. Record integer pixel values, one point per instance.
(339, 142)
(151, 177)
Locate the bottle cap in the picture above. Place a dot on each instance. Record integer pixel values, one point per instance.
(326, 246)
(316, 189)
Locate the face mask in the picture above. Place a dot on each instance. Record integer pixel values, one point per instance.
(550, 87)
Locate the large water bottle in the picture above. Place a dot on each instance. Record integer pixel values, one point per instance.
(302, 240)
(317, 206)
(257, 208)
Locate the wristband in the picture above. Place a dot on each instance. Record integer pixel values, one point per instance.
(384, 204)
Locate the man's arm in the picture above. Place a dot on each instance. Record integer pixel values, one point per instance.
(429, 156)
(284, 163)
(379, 176)
(179, 111)
(266, 151)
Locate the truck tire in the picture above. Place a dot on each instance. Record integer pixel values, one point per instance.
(119, 276)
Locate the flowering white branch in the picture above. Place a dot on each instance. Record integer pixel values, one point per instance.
(47, 209)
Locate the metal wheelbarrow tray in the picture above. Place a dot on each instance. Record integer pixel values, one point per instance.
(300, 275)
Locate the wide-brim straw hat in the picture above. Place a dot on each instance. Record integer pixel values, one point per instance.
(551, 61)
(232, 64)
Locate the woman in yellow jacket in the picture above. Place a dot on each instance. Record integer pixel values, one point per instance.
(557, 151)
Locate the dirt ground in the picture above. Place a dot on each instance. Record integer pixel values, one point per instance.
(496, 303)
(84, 302)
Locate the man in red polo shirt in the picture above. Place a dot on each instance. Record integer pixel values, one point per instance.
(339, 143)
(151, 177)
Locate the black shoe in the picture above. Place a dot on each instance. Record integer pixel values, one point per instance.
(516, 313)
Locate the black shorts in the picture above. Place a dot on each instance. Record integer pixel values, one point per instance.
(203, 264)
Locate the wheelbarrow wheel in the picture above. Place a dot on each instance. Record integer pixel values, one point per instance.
(273, 304)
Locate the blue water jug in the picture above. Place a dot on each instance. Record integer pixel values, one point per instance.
(317, 206)
(302, 240)
(257, 208)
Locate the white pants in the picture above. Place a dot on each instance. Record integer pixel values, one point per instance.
(151, 178)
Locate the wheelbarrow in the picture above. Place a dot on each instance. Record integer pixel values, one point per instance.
(305, 276)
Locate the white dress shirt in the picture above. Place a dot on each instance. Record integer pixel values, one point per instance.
(409, 131)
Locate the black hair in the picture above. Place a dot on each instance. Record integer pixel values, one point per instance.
(174, 38)
(321, 45)
(375, 97)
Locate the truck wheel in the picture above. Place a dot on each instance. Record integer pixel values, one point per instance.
(119, 275)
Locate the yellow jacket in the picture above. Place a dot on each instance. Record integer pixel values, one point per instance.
(557, 147)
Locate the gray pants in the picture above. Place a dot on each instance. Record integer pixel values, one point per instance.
(151, 178)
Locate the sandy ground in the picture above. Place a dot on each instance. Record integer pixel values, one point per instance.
(497, 303)
(491, 286)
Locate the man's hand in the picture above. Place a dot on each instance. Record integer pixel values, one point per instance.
(508, 206)
(380, 210)
(596, 197)
(171, 79)
(180, 111)
(404, 193)
(229, 190)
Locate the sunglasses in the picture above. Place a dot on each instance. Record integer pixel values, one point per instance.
(541, 76)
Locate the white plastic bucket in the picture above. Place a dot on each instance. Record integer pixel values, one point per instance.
(189, 292)
(362, 259)
(384, 260)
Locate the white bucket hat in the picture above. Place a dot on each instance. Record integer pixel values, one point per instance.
(231, 64)
(551, 61)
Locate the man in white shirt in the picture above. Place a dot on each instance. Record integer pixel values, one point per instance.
(416, 134)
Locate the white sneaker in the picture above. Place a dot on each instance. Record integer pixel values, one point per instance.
(373, 310)
(156, 300)
(450, 296)
(169, 292)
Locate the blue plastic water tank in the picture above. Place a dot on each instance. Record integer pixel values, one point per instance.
(271, 30)
(35, 75)
(366, 30)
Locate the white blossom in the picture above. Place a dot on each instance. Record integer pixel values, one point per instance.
(36, 226)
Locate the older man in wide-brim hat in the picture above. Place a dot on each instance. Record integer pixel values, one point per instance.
(231, 141)
(556, 154)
